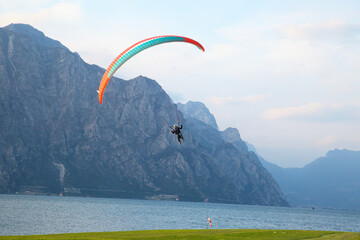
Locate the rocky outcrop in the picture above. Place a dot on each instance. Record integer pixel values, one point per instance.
(199, 111)
(232, 136)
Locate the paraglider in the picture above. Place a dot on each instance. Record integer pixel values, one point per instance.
(176, 130)
(135, 49)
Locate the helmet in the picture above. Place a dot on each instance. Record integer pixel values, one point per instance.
(175, 126)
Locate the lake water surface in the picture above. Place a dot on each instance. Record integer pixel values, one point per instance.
(24, 215)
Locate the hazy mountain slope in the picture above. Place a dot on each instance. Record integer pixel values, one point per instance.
(332, 181)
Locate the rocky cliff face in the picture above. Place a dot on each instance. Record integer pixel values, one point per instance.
(232, 136)
(198, 111)
(56, 138)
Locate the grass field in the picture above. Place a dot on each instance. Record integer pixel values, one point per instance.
(196, 234)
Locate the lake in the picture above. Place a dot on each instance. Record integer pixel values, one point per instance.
(24, 215)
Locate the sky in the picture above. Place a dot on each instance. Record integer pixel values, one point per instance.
(286, 74)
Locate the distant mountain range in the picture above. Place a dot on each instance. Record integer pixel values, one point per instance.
(332, 181)
(55, 137)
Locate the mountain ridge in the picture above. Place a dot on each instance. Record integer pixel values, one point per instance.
(37, 36)
(331, 181)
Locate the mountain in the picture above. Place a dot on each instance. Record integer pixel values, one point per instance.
(332, 181)
(198, 115)
(199, 111)
(38, 38)
(55, 137)
(232, 135)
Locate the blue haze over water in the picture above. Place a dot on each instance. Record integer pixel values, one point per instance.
(25, 215)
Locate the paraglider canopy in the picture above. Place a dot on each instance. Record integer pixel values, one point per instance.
(135, 49)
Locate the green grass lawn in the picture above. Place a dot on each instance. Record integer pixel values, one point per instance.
(197, 234)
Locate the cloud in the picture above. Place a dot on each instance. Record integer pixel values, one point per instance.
(221, 101)
(316, 112)
(242, 32)
(324, 31)
(290, 112)
(60, 13)
(328, 140)
(217, 52)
